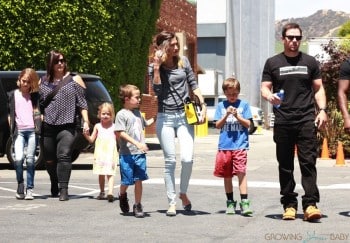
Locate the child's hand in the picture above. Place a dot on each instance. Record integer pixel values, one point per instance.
(231, 110)
(143, 147)
(86, 133)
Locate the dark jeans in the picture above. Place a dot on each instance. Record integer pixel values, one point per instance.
(58, 147)
(304, 137)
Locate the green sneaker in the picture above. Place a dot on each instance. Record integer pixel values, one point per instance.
(231, 207)
(245, 207)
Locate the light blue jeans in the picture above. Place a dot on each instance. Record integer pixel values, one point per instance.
(169, 126)
(25, 137)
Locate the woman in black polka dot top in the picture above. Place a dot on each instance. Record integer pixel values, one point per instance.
(59, 128)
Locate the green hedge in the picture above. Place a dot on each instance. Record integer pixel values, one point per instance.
(107, 38)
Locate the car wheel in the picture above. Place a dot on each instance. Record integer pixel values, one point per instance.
(252, 129)
(10, 153)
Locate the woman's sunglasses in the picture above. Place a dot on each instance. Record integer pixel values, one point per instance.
(60, 61)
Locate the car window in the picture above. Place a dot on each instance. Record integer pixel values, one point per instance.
(3, 105)
(209, 101)
(96, 91)
(221, 99)
(96, 94)
(9, 83)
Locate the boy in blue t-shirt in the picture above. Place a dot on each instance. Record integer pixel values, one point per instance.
(233, 118)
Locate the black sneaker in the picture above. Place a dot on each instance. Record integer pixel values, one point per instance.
(54, 190)
(20, 191)
(124, 203)
(138, 212)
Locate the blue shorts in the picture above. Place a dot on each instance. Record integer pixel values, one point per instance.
(132, 168)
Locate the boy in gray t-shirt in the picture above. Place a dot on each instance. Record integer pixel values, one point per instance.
(129, 125)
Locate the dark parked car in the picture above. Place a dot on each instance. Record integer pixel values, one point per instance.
(96, 94)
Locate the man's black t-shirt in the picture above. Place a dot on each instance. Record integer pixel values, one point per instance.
(295, 75)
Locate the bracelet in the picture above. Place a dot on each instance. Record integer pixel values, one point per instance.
(323, 109)
(203, 103)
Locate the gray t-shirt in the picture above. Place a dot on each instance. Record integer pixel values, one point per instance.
(133, 123)
(180, 79)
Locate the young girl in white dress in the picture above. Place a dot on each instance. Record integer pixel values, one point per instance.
(106, 153)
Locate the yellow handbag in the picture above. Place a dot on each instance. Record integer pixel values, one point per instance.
(192, 110)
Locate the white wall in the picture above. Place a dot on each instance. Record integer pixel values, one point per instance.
(211, 11)
(249, 33)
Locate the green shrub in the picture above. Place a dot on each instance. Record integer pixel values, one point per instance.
(334, 131)
(107, 38)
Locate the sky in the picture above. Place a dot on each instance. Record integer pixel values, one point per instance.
(303, 8)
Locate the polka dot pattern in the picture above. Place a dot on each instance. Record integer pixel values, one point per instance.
(63, 106)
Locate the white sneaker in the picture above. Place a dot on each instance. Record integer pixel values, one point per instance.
(29, 195)
(171, 211)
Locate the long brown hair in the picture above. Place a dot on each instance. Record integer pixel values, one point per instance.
(52, 59)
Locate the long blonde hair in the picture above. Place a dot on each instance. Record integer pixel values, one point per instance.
(162, 42)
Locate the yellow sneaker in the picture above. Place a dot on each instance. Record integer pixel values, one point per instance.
(289, 213)
(312, 213)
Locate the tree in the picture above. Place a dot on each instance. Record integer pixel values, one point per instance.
(107, 38)
(330, 74)
(344, 30)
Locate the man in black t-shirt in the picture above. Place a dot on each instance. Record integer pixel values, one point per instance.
(343, 88)
(296, 121)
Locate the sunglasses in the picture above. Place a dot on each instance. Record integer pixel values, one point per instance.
(291, 37)
(60, 61)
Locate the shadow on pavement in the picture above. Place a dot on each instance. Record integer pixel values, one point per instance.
(5, 166)
(346, 213)
(187, 213)
(298, 216)
(81, 166)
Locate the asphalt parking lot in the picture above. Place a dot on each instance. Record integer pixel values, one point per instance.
(85, 219)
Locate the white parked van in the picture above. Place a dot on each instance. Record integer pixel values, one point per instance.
(212, 102)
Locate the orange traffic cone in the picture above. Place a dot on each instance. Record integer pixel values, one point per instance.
(340, 161)
(325, 151)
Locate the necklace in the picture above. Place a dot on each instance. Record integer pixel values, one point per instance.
(170, 67)
(56, 81)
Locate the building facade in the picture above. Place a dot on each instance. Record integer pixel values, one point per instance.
(236, 37)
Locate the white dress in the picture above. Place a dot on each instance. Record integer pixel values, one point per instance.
(106, 153)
